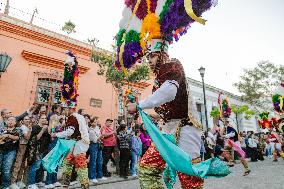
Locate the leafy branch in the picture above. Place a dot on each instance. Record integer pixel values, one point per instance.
(69, 27)
(117, 77)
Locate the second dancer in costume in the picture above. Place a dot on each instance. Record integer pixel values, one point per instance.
(76, 128)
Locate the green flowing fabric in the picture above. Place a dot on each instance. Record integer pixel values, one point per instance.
(177, 159)
(56, 156)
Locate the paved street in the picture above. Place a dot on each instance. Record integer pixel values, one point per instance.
(265, 175)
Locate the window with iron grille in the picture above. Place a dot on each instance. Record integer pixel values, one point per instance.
(96, 103)
(48, 91)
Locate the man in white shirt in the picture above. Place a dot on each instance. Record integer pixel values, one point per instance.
(96, 157)
(19, 165)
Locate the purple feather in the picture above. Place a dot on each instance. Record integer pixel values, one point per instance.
(131, 54)
(176, 17)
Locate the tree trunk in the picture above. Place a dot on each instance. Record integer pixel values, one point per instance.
(237, 123)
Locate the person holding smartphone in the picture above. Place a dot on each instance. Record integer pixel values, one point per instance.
(37, 147)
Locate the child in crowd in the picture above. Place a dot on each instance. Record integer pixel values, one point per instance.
(136, 151)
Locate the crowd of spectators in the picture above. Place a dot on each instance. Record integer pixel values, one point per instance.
(26, 139)
(255, 145)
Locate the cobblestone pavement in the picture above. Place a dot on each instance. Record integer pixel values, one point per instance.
(264, 175)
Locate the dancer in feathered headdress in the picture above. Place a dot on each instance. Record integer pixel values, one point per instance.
(232, 139)
(278, 102)
(147, 29)
(75, 130)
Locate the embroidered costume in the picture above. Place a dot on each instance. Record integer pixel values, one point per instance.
(278, 124)
(232, 140)
(146, 29)
(73, 141)
(170, 100)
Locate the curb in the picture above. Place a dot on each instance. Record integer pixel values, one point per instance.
(106, 182)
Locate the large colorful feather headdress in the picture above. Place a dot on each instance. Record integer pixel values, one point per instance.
(70, 83)
(264, 122)
(146, 20)
(224, 106)
(278, 99)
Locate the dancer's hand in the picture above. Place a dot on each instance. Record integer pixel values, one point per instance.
(53, 135)
(132, 108)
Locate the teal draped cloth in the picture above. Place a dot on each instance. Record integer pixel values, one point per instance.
(177, 159)
(56, 156)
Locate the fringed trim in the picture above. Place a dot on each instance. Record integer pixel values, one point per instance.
(190, 121)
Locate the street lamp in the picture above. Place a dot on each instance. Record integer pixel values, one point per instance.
(4, 62)
(202, 73)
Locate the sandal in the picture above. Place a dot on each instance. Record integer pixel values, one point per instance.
(246, 173)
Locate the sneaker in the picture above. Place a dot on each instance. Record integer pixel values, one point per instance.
(57, 184)
(33, 186)
(40, 184)
(102, 179)
(134, 175)
(14, 186)
(49, 186)
(73, 183)
(21, 184)
(94, 180)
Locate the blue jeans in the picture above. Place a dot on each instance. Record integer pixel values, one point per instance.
(96, 161)
(51, 178)
(269, 151)
(32, 172)
(134, 160)
(6, 162)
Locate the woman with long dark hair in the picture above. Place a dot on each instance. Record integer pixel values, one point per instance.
(145, 139)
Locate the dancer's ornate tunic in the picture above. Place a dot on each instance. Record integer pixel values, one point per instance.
(76, 129)
(170, 100)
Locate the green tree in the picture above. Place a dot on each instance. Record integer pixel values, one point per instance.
(239, 111)
(257, 84)
(215, 113)
(118, 79)
(69, 27)
(114, 76)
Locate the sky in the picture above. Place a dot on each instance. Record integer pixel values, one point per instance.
(237, 34)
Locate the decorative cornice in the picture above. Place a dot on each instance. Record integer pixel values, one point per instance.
(24, 29)
(213, 89)
(53, 74)
(35, 58)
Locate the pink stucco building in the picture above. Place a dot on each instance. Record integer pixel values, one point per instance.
(35, 73)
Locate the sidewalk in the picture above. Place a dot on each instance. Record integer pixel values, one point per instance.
(113, 179)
